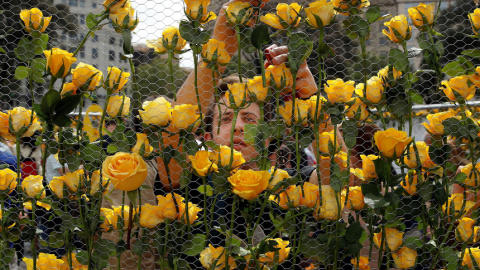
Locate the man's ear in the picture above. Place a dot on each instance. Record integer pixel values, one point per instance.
(208, 136)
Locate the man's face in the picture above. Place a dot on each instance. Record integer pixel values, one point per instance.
(221, 136)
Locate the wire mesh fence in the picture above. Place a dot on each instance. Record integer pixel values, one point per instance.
(251, 134)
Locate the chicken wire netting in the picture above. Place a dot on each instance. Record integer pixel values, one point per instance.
(343, 136)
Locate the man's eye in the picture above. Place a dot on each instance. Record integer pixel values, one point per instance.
(250, 119)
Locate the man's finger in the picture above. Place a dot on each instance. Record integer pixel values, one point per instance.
(282, 58)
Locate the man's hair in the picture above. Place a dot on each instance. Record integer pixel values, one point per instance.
(269, 109)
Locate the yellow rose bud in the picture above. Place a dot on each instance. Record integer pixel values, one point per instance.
(216, 255)
(410, 185)
(202, 164)
(57, 186)
(86, 77)
(214, 52)
(435, 126)
(475, 77)
(361, 264)
(21, 120)
(107, 215)
(473, 177)
(301, 111)
(156, 112)
(339, 91)
(399, 31)
(391, 142)
(320, 13)
(171, 41)
(95, 184)
(34, 20)
(393, 238)
(329, 208)
(358, 110)
(326, 138)
(256, 90)
(193, 211)
(33, 186)
(248, 184)
(142, 141)
(4, 129)
(355, 198)
(271, 258)
(383, 74)
(46, 261)
(345, 7)
(313, 106)
(73, 180)
(115, 5)
(279, 176)
(69, 89)
(422, 15)
(465, 230)
(368, 167)
(309, 197)
(117, 213)
(279, 76)
(197, 11)
(290, 197)
(8, 180)
(116, 79)
(374, 90)
(59, 62)
(239, 13)
(126, 171)
(149, 217)
(184, 116)
(455, 203)
(459, 86)
(411, 158)
(124, 19)
(287, 16)
(115, 104)
(405, 258)
(167, 206)
(475, 20)
(467, 258)
(236, 93)
(222, 157)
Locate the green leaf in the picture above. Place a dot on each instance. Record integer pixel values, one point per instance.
(475, 53)
(417, 98)
(373, 198)
(62, 120)
(250, 132)
(21, 72)
(350, 132)
(454, 69)
(194, 246)
(398, 59)
(49, 101)
(55, 239)
(299, 47)
(91, 21)
(354, 232)
(25, 50)
(127, 42)
(40, 43)
(260, 36)
(206, 189)
(67, 104)
(373, 14)
(2, 50)
(450, 256)
(132, 195)
(104, 249)
(414, 243)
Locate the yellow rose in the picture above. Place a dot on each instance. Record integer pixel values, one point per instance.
(345, 7)
(34, 20)
(22, 121)
(475, 77)
(435, 126)
(287, 16)
(46, 261)
(248, 184)
(473, 178)
(362, 263)
(171, 41)
(75, 264)
(411, 188)
(214, 52)
(393, 236)
(301, 111)
(116, 79)
(355, 198)
(167, 206)
(313, 107)
(117, 214)
(215, 255)
(236, 93)
(475, 20)
(28, 206)
(126, 171)
(411, 158)
(222, 157)
(184, 116)
(340, 159)
(283, 251)
(107, 215)
(256, 90)
(73, 180)
(373, 91)
(279, 76)
(197, 11)
(358, 110)
(467, 258)
(459, 86)
(193, 211)
(405, 258)
(8, 180)
(33, 186)
(455, 203)
(329, 208)
(142, 141)
(69, 89)
(325, 138)
(383, 74)
(279, 176)
(339, 91)
(239, 13)
(202, 164)
(322, 10)
(57, 186)
(59, 62)
(309, 195)
(422, 15)
(368, 167)
(115, 104)
(149, 217)
(465, 230)
(287, 198)
(115, 5)
(391, 142)
(95, 184)
(4, 129)
(156, 112)
(86, 77)
(124, 19)
(399, 31)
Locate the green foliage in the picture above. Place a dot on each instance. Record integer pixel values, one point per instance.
(375, 62)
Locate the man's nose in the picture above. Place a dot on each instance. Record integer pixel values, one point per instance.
(239, 125)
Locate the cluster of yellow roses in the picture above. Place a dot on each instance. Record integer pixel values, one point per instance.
(462, 87)
(122, 15)
(50, 261)
(18, 121)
